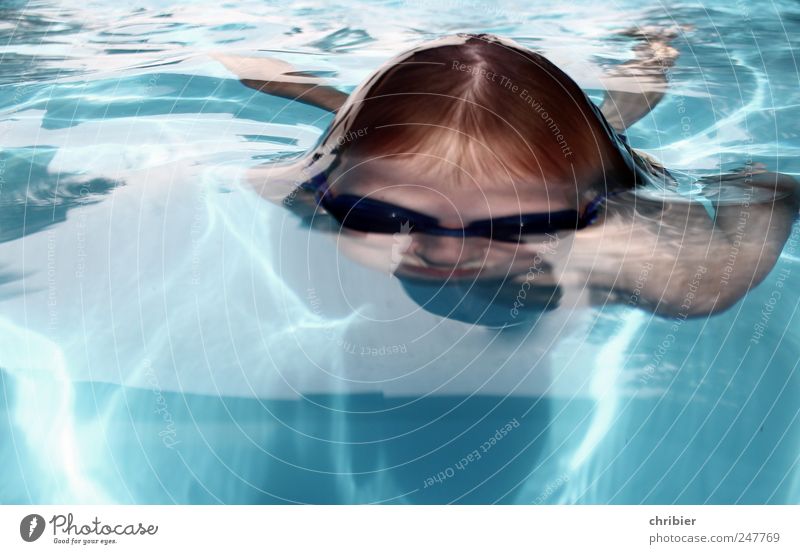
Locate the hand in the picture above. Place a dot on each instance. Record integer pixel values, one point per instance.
(655, 33)
(654, 48)
(264, 69)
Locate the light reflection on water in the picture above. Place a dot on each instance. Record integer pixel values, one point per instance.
(156, 323)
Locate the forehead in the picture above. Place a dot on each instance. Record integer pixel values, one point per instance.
(447, 191)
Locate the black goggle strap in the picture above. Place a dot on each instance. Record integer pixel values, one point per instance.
(592, 210)
(621, 142)
(318, 184)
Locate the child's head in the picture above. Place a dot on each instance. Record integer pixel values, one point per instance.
(463, 130)
(473, 114)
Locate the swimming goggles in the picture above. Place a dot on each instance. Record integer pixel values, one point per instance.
(375, 216)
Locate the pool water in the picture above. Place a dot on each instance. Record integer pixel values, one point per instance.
(168, 336)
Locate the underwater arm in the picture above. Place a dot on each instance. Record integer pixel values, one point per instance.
(278, 78)
(635, 87)
(717, 263)
(756, 231)
(684, 263)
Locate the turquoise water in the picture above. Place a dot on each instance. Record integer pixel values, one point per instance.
(168, 336)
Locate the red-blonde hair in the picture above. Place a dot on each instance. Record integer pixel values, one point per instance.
(487, 105)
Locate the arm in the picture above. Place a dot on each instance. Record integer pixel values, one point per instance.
(278, 78)
(673, 259)
(755, 231)
(717, 263)
(635, 87)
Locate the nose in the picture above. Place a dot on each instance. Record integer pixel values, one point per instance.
(448, 252)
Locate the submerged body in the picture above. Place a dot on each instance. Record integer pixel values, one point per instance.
(426, 175)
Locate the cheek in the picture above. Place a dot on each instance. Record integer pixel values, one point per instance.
(348, 240)
(368, 249)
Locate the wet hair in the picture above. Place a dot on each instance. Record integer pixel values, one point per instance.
(483, 106)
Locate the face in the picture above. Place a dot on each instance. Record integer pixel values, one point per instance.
(455, 205)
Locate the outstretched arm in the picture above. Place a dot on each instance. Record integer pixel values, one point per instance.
(635, 87)
(756, 230)
(678, 261)
(736, 251)
(279, 78)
